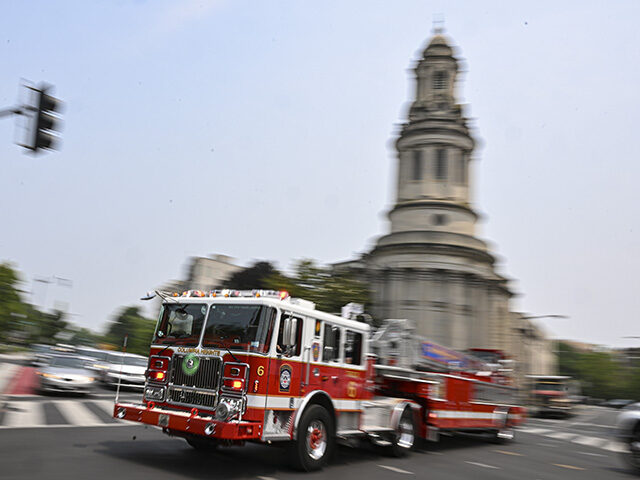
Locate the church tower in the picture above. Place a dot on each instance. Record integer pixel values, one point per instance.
(430, 267)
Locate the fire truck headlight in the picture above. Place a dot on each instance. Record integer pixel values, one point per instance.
(154, 393)
(222, 412)
(228, 408)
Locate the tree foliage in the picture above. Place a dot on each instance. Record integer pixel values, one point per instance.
(328, 289)
(138, 328)
(601, 374)
(254, 277)
(11, 305)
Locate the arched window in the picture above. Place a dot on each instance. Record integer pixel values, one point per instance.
(416, 170)
(439, 80)
(441, 164)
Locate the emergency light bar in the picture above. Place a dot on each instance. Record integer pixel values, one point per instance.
(279, 294)
(282, 295)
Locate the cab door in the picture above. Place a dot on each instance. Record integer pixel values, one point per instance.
(313, 355)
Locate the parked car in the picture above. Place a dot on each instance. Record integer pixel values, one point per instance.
(618, 403)
(65, 373)
(98, 358)
(127, 368)
(40, 354)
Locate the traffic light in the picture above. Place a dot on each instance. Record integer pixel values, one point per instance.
(46, 121)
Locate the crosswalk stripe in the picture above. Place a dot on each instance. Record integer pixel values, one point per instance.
(561, 435)
(77, 414)
(590, 441)
(20, 414)
(615, 447)
(537, 431)
(106, 405)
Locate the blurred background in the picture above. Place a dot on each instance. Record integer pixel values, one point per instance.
(468, 166)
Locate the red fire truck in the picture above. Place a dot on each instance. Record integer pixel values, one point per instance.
(227, 367)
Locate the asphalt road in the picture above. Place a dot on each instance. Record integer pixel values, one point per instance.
(581, 448)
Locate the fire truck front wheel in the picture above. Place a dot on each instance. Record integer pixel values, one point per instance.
(405, 435)
(315, 439)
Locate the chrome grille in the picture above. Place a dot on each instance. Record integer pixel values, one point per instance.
(207, 376)
(192, 397)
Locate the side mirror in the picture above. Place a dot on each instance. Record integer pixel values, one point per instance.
(293, 332)
(148, 296)
(286, 331)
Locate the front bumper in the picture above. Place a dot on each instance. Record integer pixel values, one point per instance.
(53, 385)
(130, 381)
(187, 423)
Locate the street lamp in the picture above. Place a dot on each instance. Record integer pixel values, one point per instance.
(530, 317)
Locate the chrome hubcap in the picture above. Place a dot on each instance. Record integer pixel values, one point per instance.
(316, 439)
(405, 433)
(506, 434)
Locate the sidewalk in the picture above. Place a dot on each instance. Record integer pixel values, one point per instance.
(7, 372)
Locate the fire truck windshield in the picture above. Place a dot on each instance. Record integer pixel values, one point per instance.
(239, 327)
(180, 324)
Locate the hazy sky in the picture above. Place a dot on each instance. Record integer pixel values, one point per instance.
(263, 130)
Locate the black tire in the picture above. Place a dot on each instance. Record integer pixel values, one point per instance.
(403, 439)
(202, 444)
(632, 456)
(315, 442)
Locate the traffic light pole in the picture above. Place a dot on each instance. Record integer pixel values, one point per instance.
(12, 111)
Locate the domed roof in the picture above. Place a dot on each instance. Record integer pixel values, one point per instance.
(439, 46)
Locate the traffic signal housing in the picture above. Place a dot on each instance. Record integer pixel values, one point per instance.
(46, 123)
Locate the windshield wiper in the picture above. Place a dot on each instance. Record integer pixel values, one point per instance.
(219, 345)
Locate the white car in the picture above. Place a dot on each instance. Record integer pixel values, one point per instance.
(126, 368)
(66, 373)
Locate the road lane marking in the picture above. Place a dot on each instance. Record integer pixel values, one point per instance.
(593, 425)
(592, 454)
(542, 444)
(395, 469)
(535, 431)
(23, 414)
(77, 414)
(570, 467)
(506, 452)
(4, 427)
(561, 435)
(266, 478)
(484, 465)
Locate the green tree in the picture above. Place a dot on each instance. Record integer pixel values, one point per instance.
(601, 374)
(138, 328)
(11, 305)
(253, 277)
(328, 289)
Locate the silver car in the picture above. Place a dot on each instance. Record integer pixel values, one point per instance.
(127, 369)
(628, 431)
(66, 373)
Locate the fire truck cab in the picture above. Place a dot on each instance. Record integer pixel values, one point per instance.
(234, 366)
